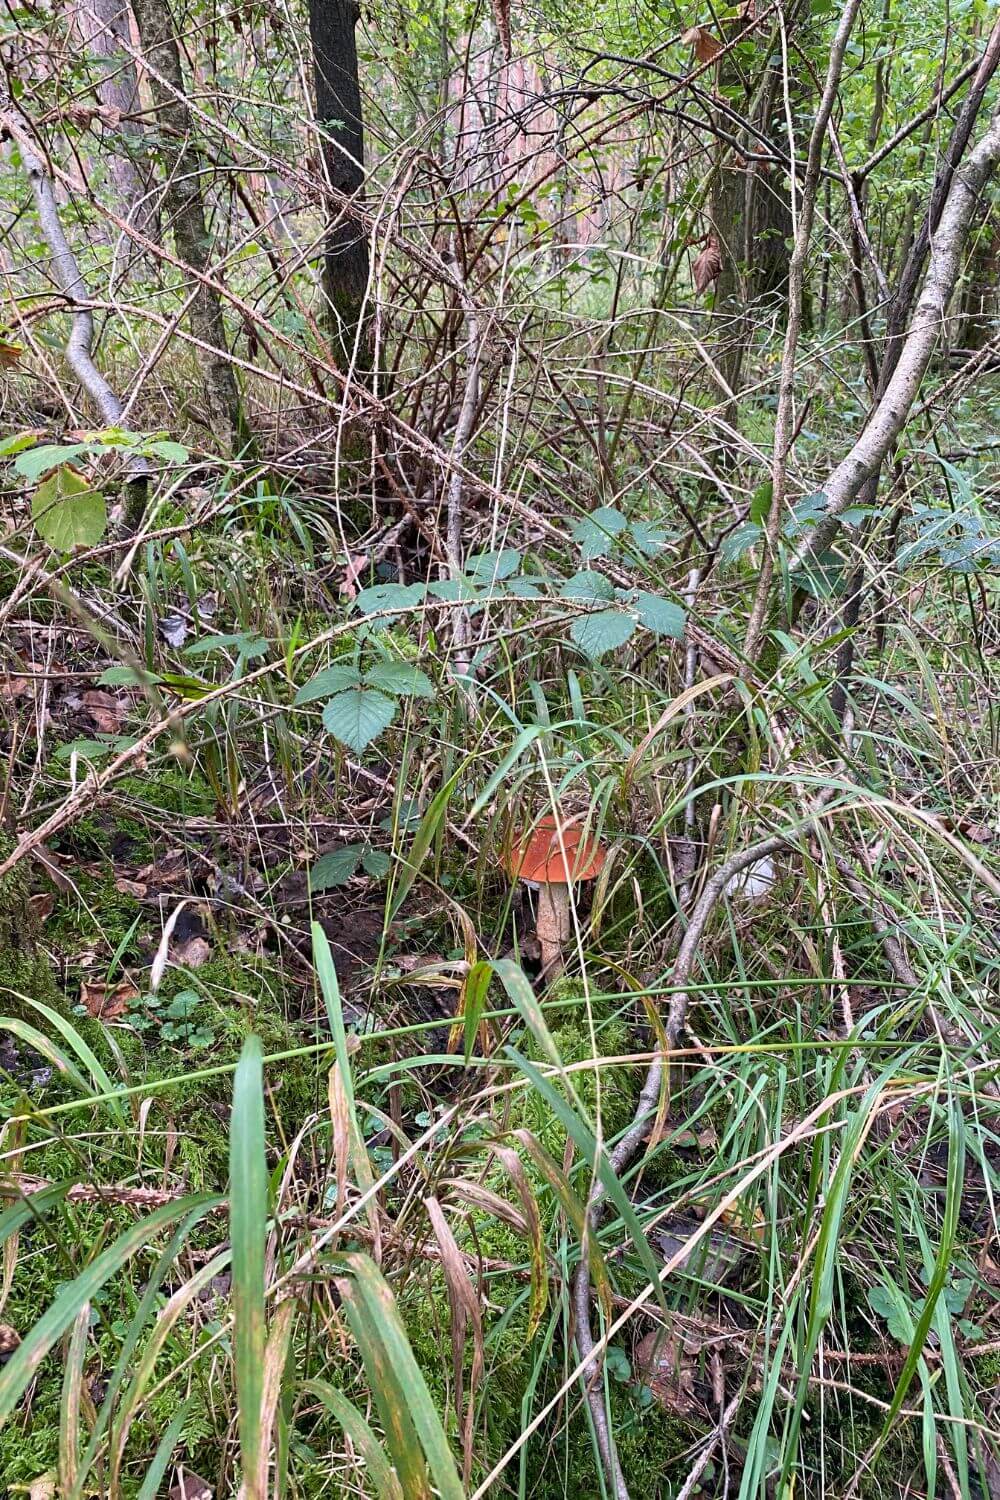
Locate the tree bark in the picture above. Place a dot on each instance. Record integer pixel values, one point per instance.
(912, 351)
(104, 27)
(338, 112)
(184, 204)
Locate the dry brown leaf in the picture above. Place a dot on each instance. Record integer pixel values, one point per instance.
(9, 354)
(134, 888)
(104, 1003)
(706, 46)
(9, 1340)
(707, 267)
(15, 687)
(356, 564)
(667, 1362)
(463, 1301)
(42, 1488)
(42, 903)
(104, 709)
(192, 953)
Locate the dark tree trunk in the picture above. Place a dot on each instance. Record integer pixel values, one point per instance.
(338, 113)
(184, 205)
(981, 296)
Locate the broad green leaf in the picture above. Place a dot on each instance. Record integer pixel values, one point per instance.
(595, 533)
(68, 512)
(650, 540)
(453, 590)
(356, 717)
(739, 542)
(660, 615)
(484, 567)
(376, 863)
(38, 461)
(592, 587)
(325, 684)
(248, 1233)
(760, 505)
(249, 646)
(390, 596)
(336, 867)
(602, 631)
(123, 676)
(401, 679)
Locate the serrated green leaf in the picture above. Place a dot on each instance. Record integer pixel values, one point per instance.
(401, 678)
(588, 585)
(35, 462)
(453, 590)
(336, 679)
(356, 717)
(127, 676)
(376, 863)
(595, 533)
(68, 512)
(390, 596)
(648, 539)
(485, 567)
(335, 867)
(659, 615)
(738, 542)
(602, 631)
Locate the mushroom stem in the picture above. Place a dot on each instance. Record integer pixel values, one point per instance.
(553, 926)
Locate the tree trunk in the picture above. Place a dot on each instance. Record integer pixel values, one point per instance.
(104, 27)
(981, 294)
(338, 113)
(184, 204)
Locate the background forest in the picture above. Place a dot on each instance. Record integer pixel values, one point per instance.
(499, 792)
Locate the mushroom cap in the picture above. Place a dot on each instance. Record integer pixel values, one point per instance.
(536, 854)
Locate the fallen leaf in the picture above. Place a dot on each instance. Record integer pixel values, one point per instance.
(192, 954)
(706, 46)
(42, 1488)
(9, 1340)
(104, 1003)
(15, 687)
(666, 1361)
(104, 709)
(173, 629)
(9, 354)
(708, 266)
(356, 563)
(42, 903)
(134, 888)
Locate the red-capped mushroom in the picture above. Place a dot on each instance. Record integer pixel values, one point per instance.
(553, 855)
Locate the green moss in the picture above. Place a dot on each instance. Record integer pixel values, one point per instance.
(24, 970)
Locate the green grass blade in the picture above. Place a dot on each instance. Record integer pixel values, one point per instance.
(379, 1470)
(150, 1487)
(397, 1382)
(39, 1339)
(248, 1232)
(422, 840)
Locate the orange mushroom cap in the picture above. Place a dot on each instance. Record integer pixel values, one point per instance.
(537, 855)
